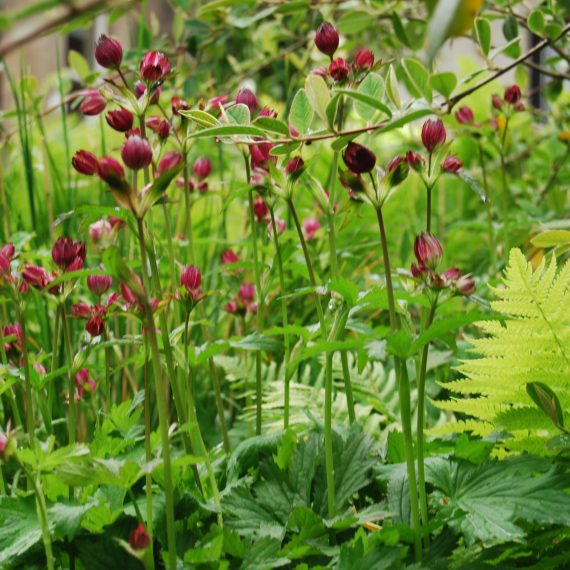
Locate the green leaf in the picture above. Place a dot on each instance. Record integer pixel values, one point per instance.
(238, 114)
(229, 131)
(118, 268)
(200, 117)
(547, 401)
(483, 34)
(19, 528)
(346, 288)
(318, 94)
(272, 125)
(79, 64)
(301, 113)
(367, 100)
(418, 78)
(439, 25)
(284, 149)
(510, 28)
(551, 238)
(257, 341)
(487, 501)
(444, 83)
(158, 188)
(392, 87)
(372, 86)
(473, 184)
(536, 21)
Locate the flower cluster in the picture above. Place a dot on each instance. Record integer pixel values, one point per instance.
(429, 253)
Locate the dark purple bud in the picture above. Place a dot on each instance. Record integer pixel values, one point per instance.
(247, 98)
(85, 162)
(327, 39)
(154, 66)
(93, 103)
(294, 165)
(364, 59)
(451, 164)
(339, 69)
(110, 170)
(171, 159)
(202, 168)
(108, 52)
(464, 115)
(136, 153)
(121, 120)
(99, 284)
(513, 94)
(433, 134)
(358, 158)
(428, 250)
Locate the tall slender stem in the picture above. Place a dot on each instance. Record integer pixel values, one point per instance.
(284, 320)
(261, 303)
(70, 381)
(505, 201)
(403, 391)
(30, 421)
(421, 419)
(491, 230)
(162, 414)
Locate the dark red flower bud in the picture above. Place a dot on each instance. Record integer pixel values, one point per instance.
(154, 66)
(8, 250)
(191, 278)
(418, 271)
(513, 94)
(260, 155)
(13, 346)
(433, 134)
(136, 153)
(397, 172)
(464, 115)
(497, 102)
(294, 165)
(327, 39)
(260, 209)
(121, 120)
(75, 265)
(80, 311)
(267, 112)
(84, 380)
(118, 223)
(5, 267)
(128, 295)
(95, 326)
(339, 69)
(310, 227)
(93, 103)
(35, 276)
(231, 307)
(169, 160)
(108, 52)
(99, 284)
(202, 168)
(247, 98)
(415, 159)
(358, 158)
(428, 250)
(178, 104)
(139, 538)
(246, 293)
(451, 164)
(214, 103)
(452, 274)
(465, 285)
(85, 162)
(202, 187)
(140, 90)
(228, 256)
(64, 252)
(364, 59)
(110, 170)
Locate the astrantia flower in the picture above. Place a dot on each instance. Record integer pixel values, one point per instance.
(358, 158)
(108, 52)
(85, 162)
(247, 98)
(93, 103)
(327, 38)
(433, 134)
(202, 168)
(428, 250)
(154, 66)
(339, 69)
(364, 59)
(136, 153)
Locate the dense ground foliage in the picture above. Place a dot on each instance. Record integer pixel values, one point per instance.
(280, 290)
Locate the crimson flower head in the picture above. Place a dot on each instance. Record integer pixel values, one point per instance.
(202, 168)
(364, 59)
(358, 158)
(464, 115)
(93, 103)
(260, 209)
(428, 250)
(339, 69)
(191, 279)
(65, 251)
(261, 155)
(108, 52)
(451, 164)
(310, 227)
(169, 160)
(139, 538)
(83, 380)
(415, 159)
(85, 162)
(121, 120)
(465, 285)
(15, 345)
(110, 170)
(247, 98)
(99, 284)
(497, 102)
(433, 134)
(136, 153)
(228, 256)
(268, 112)
(154, 66)
(95, 325)
(140, 90)
(294, 165)
(513, 94)
(246, 293)
(160, 126)
(327, 39)
(8, 250)
(35, 276)
(178, 104)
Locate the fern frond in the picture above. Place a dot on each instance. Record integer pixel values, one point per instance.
(533, 344)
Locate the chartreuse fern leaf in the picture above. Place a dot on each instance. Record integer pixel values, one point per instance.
(532, 345)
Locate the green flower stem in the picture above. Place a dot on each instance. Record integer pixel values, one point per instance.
(490, 229)
(260, 306)
(403, 391)
(329, 460)
(30, 419)
(42, 513)
(161, 399)
(421, 419)
(197, 432)
(202, 313)
(10, 392)
(284, 319)
(108, 397)
(148, 450)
